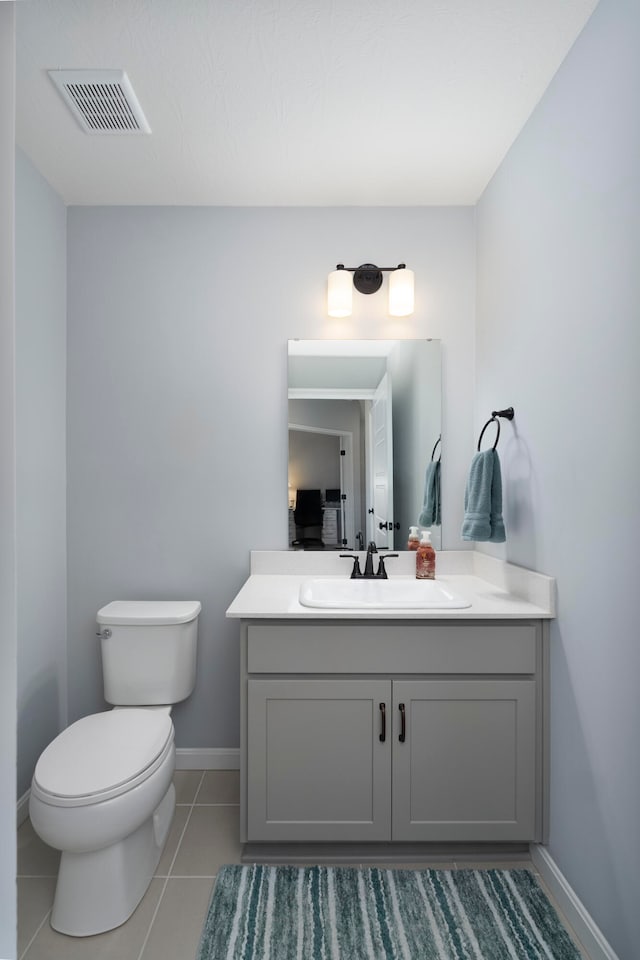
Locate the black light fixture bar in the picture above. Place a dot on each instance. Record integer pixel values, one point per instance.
(367, 278)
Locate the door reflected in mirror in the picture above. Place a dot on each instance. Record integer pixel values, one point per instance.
(365, 421)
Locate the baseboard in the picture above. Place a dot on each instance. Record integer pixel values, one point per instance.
(571, 906)
(208, 758)
(23, 807)
(388, 852)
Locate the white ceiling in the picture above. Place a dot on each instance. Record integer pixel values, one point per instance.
(291, 102)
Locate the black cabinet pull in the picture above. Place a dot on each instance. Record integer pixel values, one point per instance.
(403, 724)
(383, 722)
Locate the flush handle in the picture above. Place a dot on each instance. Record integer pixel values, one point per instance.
(104, 634)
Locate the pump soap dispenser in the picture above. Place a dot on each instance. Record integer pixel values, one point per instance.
(425, 558)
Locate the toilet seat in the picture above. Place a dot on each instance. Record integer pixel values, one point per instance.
(102, 756)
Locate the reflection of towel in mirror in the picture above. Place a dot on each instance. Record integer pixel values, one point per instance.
(430, 513)
(483, 499)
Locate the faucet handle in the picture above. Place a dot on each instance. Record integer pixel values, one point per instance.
(356, 573)
(382, 573)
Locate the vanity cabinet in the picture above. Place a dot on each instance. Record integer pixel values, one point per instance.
(317, 768)
(466, 768)
(397, 731)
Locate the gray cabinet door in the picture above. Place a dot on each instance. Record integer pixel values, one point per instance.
(317, 768)
(466, 767)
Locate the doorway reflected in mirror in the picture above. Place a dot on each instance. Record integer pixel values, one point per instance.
(364, 416)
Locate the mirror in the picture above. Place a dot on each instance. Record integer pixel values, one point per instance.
(365, 420)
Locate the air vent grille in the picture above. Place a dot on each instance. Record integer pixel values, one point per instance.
(102, 101)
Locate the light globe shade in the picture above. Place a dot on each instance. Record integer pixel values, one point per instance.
(340, 294)
(401, 300)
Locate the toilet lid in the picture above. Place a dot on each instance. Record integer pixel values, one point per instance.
(103, 755)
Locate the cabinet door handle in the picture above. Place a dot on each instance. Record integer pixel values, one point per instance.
(383, 722)
(403, 724)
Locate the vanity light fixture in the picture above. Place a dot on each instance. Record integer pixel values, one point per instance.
(367, 278)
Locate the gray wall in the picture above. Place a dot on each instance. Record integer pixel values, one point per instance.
(8, 629)
(314, 460)
(178, 321)
(558, 337)
(41, 346)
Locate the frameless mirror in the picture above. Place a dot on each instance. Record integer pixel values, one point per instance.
(365, 420)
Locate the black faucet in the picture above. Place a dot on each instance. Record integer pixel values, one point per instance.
(357, 574)
(368, 565)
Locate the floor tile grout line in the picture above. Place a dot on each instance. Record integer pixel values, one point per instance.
(220, 803)
(40, 926)
(153, 919)
(166, 879)
(198, 788)
(36, 876)
(208, 803)
(188, 876)
(182, 833)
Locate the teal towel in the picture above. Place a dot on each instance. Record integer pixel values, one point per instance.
(430, 513)
(483, 500)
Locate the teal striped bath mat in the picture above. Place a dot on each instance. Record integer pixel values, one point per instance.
(339, 913)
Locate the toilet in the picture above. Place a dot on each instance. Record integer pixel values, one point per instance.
(102, 791)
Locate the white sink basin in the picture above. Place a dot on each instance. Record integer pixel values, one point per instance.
(395, 593)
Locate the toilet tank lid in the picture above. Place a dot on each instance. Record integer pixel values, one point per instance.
(149, 611)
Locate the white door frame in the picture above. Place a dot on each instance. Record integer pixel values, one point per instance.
(348, 505)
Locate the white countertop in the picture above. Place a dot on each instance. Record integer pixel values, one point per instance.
(496, 590)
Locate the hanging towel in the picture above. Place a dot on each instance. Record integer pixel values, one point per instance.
(496, 522)
(483, 499)
(430, 513)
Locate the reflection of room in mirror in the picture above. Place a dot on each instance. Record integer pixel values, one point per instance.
(363, 419)
(315, 488)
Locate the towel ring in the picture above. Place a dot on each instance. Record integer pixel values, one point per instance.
(439, 440)
(490, 420)
(508, 413)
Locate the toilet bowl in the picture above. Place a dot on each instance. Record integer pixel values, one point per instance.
(102, 793)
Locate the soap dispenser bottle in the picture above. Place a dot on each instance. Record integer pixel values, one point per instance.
(425, 558)
(414, 540)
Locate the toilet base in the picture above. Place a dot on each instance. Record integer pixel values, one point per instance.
(99, 890)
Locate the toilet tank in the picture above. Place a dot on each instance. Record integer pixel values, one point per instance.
(148, 650)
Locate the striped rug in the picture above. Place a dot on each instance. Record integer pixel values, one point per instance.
(339, 913)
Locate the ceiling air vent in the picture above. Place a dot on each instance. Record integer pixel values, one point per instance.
(102, 101)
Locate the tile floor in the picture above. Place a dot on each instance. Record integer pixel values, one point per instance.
(168, 922)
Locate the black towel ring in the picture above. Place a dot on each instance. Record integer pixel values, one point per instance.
(491, 420)
(508, 413)
(439, 440)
